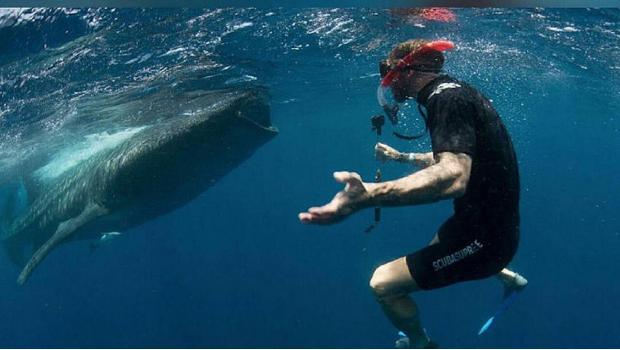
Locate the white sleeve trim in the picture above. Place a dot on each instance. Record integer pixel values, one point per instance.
(441, 87)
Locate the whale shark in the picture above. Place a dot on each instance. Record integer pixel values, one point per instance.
(169, 148)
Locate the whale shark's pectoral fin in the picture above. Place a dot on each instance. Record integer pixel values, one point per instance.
(64, 230)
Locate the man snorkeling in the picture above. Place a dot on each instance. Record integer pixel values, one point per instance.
(472, 162)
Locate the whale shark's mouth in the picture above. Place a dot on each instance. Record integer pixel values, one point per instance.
(90, 146)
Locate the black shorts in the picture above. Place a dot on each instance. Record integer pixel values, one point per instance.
(463, 253)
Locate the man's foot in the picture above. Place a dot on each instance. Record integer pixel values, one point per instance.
(403, 342)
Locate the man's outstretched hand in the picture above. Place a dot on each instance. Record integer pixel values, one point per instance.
(353, 197)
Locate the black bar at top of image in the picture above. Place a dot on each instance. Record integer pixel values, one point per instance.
(308, 3)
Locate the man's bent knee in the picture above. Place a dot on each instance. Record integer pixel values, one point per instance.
(380, 282)
(392, 279)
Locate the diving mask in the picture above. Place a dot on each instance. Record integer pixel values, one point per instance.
(414, 61)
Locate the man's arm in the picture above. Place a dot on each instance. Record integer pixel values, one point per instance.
(447, 178)
(384, 152)
(423, 160)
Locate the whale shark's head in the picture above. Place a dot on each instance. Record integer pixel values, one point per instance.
(177, 156)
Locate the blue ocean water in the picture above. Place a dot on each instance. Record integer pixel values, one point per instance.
(235, 268)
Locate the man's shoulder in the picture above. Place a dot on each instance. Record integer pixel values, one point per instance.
(449, 93)
(448, 88)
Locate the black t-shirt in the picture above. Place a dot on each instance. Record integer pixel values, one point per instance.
(461, 120)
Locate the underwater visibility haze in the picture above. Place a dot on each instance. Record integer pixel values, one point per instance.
(205, 131)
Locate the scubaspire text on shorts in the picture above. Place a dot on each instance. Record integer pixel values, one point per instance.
(448, 260)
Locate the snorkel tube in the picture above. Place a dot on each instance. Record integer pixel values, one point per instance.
(391, 109)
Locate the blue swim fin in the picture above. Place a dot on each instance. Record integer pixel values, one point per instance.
(486, 325)
(503, 307)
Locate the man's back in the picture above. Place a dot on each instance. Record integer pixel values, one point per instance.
(461, 120)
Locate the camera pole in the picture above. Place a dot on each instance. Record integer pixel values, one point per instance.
(377, 123)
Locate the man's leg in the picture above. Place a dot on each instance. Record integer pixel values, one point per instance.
(391, 284)
(511, 281)
(506, 276)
